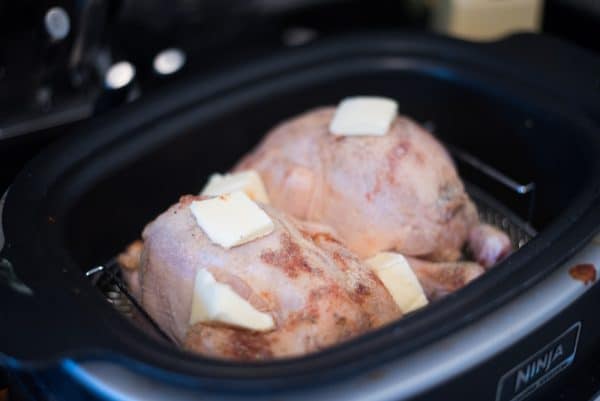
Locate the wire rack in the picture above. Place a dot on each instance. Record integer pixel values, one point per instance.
(107, 278)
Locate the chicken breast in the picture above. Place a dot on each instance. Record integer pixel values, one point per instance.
(317, 292)
(396, 192)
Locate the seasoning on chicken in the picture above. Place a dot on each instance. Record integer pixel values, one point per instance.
(316, 292)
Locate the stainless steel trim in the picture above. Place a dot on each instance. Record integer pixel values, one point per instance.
(94, 270)
(491, 171)
(398, 380)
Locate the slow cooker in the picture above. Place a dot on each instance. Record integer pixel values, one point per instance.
(520, 116)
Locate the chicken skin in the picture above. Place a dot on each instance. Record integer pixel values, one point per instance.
(488, 244)
(442, 278)
(317, 292)
(396, 192)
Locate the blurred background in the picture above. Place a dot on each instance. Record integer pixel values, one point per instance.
(62, 62)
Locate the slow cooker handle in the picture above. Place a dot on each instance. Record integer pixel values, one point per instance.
(31, 308)
(37, 299)
(29, 316)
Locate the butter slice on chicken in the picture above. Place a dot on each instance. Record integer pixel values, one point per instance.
(231, 219)
(248, 181)
(364, 116)
(217, 302)
(397, 276)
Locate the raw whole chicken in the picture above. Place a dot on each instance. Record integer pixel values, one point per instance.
(396, 192)
(317, 291)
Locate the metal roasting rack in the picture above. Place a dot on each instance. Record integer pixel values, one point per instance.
(107, 277)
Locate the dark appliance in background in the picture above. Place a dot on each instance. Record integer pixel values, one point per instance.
(55, 59)
(54, 55)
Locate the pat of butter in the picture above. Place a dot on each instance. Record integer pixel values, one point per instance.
(398, 278)
(248, 181)
(231, 219)
(364, 115)
(217, 302)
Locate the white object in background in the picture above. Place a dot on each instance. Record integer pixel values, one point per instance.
(398, 278)
(169, 61)
(58, 23)
(119, 75)
(231, 219)
(364, 115)
(248, 181)
(217, 302)
(486, 19)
